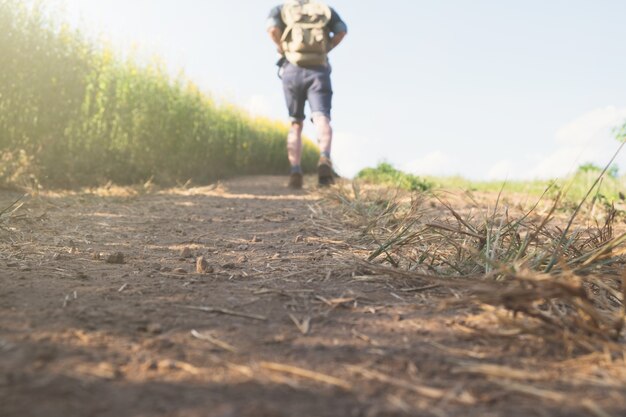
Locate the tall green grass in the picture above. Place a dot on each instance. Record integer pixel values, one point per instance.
(73, 113)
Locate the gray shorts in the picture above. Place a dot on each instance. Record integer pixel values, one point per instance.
(307, 84)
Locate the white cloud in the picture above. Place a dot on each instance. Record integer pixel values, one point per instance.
(501, 170)
(589, 138)
(433, 163)
(595, 125)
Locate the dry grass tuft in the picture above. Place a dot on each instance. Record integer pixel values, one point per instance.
(558, 277)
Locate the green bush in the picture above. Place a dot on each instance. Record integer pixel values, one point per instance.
(72, 113)
(386, 174)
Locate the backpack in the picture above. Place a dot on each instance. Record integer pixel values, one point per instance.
(306, 38)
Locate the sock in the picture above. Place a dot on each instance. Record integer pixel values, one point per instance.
(296, 169)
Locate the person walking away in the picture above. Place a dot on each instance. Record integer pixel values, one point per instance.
(304, 32)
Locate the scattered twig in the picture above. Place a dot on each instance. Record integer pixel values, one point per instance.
(227, 312)
(215, 341)
(421, 289)
(304, 326)
(423, 390)
(533, 391)
(305, 373)
(13, 207)
(499, 371)
(595, 409)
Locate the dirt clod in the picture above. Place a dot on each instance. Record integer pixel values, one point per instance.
(115, 258)
(154, 328)
(202, 266)
(186, 253)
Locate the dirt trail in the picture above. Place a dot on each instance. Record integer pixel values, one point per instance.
(292, 327)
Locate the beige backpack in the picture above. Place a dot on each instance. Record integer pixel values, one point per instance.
(306, 39)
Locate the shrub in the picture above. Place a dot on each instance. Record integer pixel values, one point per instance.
(386, 174)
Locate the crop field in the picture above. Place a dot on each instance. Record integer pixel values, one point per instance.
(72, 113)
(153, 263)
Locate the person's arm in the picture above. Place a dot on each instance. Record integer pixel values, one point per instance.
(336, 39)
(275, 27)
(276, 34)
(338, 28)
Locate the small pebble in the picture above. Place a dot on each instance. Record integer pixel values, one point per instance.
(186, 253)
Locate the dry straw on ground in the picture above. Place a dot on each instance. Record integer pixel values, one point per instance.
(557, 274)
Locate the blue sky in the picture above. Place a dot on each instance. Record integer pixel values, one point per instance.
(489, 89)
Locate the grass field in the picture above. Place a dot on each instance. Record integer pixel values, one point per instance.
(572, 188)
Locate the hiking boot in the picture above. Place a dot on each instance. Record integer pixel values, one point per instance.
(325, 173)
(295, 181)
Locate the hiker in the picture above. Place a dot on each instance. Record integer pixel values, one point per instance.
(305, 31)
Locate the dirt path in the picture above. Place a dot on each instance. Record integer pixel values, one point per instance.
(292, 328)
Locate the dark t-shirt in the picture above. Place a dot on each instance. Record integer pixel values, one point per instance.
(336, 25)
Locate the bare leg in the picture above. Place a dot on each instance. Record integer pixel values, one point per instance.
(294, 144)
(324, 134)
